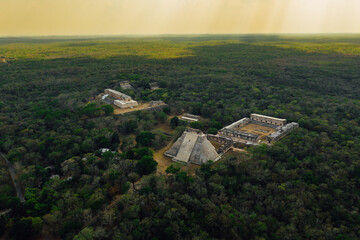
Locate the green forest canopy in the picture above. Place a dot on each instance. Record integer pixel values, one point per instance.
(306, 186)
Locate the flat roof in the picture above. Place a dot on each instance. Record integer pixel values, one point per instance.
(259, 115)
(190, 119)
(118, 93)
(125, 102)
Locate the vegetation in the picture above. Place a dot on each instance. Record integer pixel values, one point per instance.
(306, 186)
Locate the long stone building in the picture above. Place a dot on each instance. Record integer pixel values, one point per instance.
(238, 136)
(117, 95)
(267, 119)
(190, 117)
(121, 100)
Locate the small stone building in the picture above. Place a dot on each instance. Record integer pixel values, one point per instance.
(154, 85)
(117, 95)
(125, 104)
(121, 100)
(126, 85)
(190, 117)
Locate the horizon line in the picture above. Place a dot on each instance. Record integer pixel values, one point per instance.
(174, 34)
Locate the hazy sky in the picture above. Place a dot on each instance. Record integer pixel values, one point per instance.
(78, 17)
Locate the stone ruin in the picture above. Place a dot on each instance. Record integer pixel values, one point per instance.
(154, 85)
(120, 99)
(234, 130)
(126, 85)
(192, 147)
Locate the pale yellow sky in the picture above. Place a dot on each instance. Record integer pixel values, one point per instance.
(92, 17)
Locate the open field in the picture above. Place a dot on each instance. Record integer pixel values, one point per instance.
(141, 106)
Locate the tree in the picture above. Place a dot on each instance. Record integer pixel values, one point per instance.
(145, 138)
(97, 199)
(166, 110)
(71, 167)
(26, 227)
(183, 177)
(85, 234)
(197, 125)
(133, 177)
(90, 110)
(108, 109)
(213, 131)
(163, 84)
(161, 116)
(173, 170)
(146, 165)
(53, 219)
(130, 126)
(174, 122)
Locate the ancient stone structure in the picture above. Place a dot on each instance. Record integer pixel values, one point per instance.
(234, 130)
(156, 103)
(121, 100)
(267, 119)
(219, 139)
(239, 124)
(125, 104)
(154, 85)
(238, 135)
(226, 142)
(126, 85)
(282, 131)
(190, 117)
(192, 147)
(117, 95)
(106, 99)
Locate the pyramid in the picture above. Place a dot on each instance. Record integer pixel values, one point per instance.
(192, 147)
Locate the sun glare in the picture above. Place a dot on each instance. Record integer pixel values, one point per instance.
(45, 17)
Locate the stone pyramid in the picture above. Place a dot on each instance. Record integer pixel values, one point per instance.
(192, 147)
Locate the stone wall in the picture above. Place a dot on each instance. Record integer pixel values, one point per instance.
(238, 135)
(242, 122)
(267, 119)
(118, 95)
(125, 104)
(282, 132)
(265, 124)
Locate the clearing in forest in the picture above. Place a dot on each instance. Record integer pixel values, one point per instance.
(252, 128)
(164, 162)
(126, 110)
(140, 107)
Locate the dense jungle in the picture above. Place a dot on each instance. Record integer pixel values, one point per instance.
(306, 186)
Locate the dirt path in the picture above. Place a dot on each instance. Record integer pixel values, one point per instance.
(5, 212)
(13, 178)
(163, 161)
